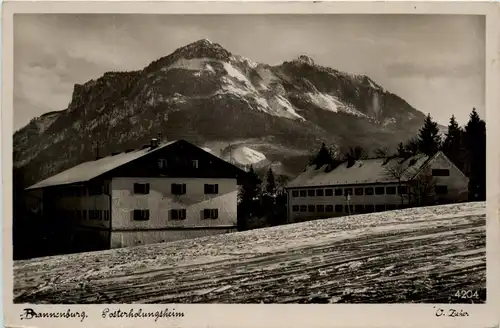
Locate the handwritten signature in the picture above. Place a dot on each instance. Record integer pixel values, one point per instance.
(451, 313)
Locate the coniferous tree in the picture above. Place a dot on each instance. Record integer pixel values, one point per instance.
(475, 144)
(412, 147)
(402, 152)
(271, 183)
(250, 187)
(453, 145)
(353, 154)
(248, 193)
(429, 139)
(322, 157)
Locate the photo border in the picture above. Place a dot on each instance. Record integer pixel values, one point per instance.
(269, 315)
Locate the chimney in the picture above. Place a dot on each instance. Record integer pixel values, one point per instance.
(154, 143)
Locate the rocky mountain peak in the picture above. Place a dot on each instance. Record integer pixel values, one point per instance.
(203, 48)
(203, 93)
(305, 60)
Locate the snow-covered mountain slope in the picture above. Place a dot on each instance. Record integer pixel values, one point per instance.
(203, 93)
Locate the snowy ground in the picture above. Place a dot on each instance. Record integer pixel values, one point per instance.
(414, 255)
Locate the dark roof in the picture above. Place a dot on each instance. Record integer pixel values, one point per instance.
(89, 170)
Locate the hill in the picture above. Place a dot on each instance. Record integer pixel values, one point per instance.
(422, 255)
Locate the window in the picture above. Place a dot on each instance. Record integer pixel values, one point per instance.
(84, 214)
(338, 192)
(379, 208)
(441, 190)
(310, 193)
(329, 192)
(295, 193)
(141, 215)
(338, 208)
(369, 208)
(95, 190)
(209, 213)
(359, 208)
(105, 188)
(369, 191)
(347, 191)
(391, 207)
(303, 208)
(194, 163)
(141, 188)
(303, 193)
(107, 215)
(295, 208)
(329, 208)
(178, 188)
(320, 208)
(79, 214)
(211, 189)
(379, 190)
(178, 214)
(310, 208)
(162, 163)
(319, 192)
(440, 172)
(402, 190)
(390, 190)
(358, 191)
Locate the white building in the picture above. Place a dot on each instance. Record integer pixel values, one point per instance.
(374, 185)
(157, 194)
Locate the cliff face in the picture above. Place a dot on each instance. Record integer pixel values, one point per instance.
(209, 96)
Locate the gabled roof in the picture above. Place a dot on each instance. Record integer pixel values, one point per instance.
(92, 169)
(367, 171)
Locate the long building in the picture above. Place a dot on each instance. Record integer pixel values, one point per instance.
(163, 192)
(374, 185)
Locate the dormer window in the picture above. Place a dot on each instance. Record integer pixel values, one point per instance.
(194, 163)
(162, 163)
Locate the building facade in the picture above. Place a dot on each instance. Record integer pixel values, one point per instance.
(157, 194)
(375, 185)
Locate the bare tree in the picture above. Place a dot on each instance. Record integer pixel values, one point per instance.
(281, 182)
(422, 188)
(397, 172)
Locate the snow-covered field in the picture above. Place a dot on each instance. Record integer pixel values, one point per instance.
(415, 255)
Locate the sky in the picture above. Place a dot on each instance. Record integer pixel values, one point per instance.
(435, 62)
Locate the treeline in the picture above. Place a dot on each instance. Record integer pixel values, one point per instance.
(464, 146)
(262, 203)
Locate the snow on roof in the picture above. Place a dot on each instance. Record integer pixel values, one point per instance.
(368, 171)
(91, 169)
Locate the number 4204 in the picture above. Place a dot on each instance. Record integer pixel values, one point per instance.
(467, 294)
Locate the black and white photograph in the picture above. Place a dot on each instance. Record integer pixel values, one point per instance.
(249, 158)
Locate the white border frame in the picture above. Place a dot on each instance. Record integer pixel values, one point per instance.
(275, 315)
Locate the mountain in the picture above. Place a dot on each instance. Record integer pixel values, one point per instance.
(257, 113)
